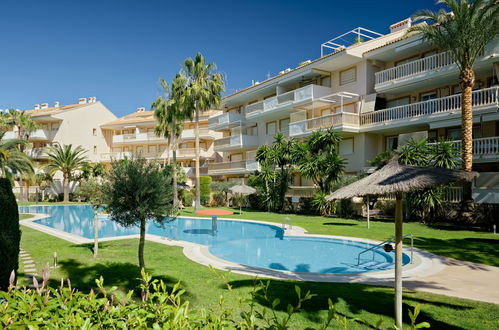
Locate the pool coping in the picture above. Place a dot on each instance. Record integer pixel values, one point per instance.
(425, 263)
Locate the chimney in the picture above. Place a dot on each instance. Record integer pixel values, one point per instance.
(142, 109)
(401, 25)
(56, 104)
(82, 100)
(37, 106)
(44, 106)
(92, 99)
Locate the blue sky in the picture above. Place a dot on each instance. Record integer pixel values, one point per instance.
(53, 50)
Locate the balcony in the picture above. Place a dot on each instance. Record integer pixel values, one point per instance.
(40, 135)
(37, 153)
(238, 167)
(285, 103)
(484, 149)
(301, 191)
(344, 121)
(236, 142)
(440, 108)
(136, 138)
(191, 171)
(225, 121)
(204, 133)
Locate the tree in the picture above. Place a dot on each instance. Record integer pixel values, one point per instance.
(317, 158)
(67, 160)
(204, 91)
(222, 187)
(13, 162)
(93, 191)
(10, 234)
(276, 162)
(170, 112)
(464, 32)
(138, 191)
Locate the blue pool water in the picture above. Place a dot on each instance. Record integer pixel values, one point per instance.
(247, 243)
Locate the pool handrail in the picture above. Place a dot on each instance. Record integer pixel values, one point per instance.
(388, 241)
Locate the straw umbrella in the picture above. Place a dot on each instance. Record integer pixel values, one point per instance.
(398, 179)
(242, 189)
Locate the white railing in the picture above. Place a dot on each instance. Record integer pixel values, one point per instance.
(480, 98)
(39, 134)
(450, 194)
(488, 146)
(415, 67)
(258, 106)
(332, 120)
(236, 141)
(248, 165)
(224, 119)
(37, 153)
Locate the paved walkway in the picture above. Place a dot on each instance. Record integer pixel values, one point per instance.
(29, 267)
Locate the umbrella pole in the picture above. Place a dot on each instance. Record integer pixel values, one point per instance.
(398, 260)
(368, 225)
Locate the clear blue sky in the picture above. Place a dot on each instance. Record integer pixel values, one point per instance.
(59, 50)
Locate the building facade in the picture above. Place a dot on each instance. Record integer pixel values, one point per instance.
(378, 92)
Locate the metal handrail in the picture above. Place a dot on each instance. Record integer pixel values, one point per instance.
(391, 240)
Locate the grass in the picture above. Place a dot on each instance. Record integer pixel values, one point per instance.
(117, 263)
(25, 216)
(445, 240)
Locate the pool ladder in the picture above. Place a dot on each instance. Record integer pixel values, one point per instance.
(288, 220)
(388, 241)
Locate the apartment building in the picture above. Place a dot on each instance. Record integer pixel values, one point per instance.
(76, 124)
(134, 134)
(378, 91)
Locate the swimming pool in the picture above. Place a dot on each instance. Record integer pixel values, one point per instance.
(246, 243)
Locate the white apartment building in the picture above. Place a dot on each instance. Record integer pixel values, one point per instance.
(134, 134)
(377, 93)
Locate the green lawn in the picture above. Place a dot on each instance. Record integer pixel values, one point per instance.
(446, 240)
(118, 264)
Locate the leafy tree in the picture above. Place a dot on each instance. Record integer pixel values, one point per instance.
(223, 188)
(463, 32)
(170, 111)
(277, 169)
(10, 234)
(13, 162)
(68, 160)
(93, 191)
(205, 88)
(317, 158)
(138, 191)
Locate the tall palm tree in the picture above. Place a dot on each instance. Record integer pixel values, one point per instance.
(205, 91)
(170, 113)
(67, 160)
(13, 162)
(463, 32)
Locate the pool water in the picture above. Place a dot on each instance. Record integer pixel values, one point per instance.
(247, 243)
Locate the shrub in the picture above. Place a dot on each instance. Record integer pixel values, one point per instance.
(219, 199)
(322, 205)
(205, 187)
(387, 207)
(187, 198)
(10, 234)
(345, 208)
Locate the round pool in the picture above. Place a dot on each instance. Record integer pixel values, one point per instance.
(243, 242)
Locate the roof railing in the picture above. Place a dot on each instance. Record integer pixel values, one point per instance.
(355, 36)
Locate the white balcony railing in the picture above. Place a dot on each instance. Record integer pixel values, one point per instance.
(224, 119)
(241, 141)
(480, 98)
(334, 120)
(422, 65)
(190, 134)
(483, 147)
(37, 153)
(243, 165)
(39, 135)
(308, 92)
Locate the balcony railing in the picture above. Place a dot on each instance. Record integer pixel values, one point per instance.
(224, 119)
(334, 120)
(39, 135)
(243, 165)
(422, 65)
(190, 134)
(240, 141)
(480, 98)
(37, 153)
(308, 92)
(482, 147)
(136, 137)
(301, 191)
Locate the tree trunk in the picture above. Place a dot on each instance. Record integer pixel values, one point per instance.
(96, 232)
(174, 172)
(141, 243)
(66, 188)
(398, 260)
(21, 190)
(198, 184)
(467, 81)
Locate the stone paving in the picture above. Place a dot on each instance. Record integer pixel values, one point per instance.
(29, 267)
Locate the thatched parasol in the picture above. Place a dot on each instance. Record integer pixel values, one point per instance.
(242, 189)
(397, 179)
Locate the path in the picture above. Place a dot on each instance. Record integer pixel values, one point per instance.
(29, 267)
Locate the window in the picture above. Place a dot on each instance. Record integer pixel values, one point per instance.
(428, 96)
(94, 132)
(271, 128)
(162, 147)
(348, 76)
(457, 133)
(284, 125)
(326, 81)
(346, 147)
(392, 142)
(140, 150)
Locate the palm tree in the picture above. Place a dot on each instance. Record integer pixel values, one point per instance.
(67, 160)
(204, 92)
(464, 33)
(13, 162)
(170, 113)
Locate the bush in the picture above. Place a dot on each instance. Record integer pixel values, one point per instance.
(187, 198)
(387, 207)
(205, 187)
(322, 205)
(255, 202)
(345, 208)
(219, 199)
(10, 234)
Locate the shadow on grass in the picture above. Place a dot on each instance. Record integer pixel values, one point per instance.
(358, 297)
